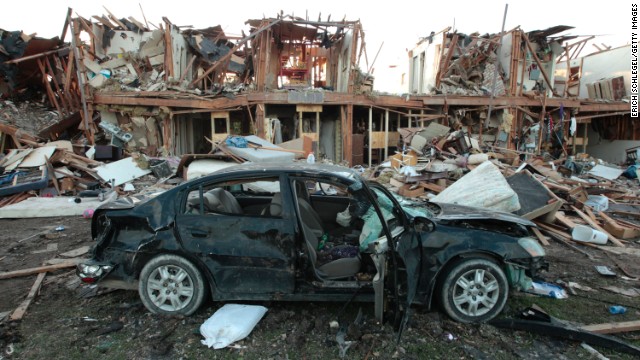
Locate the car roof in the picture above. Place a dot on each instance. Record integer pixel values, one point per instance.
(293, 168)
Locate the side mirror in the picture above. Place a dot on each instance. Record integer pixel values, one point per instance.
(422, 224)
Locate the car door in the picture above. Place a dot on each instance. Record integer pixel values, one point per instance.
(394, 228)
(245, 253)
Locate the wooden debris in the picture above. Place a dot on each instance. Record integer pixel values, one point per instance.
(617, 230)
(613, 327)
(36, 270)
(22, 308)
(564, 220)
(432, 187)
(618, 290)
(542, 238)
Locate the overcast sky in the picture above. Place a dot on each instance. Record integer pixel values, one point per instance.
(398, 24)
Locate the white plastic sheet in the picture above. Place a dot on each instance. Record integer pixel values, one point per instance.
(230, 323)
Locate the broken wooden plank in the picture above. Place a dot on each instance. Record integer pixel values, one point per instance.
(52, 174)
(56, 261)
(564, 220)
(36, 270)
(617, 230)
(432, 187)
(613, 327)
(19, 312)
(564, 240)
(589, 212)
(104, 21)
(597, 227)
(542, 238)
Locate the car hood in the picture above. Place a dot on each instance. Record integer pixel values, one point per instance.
(459, 212)
(124, 202)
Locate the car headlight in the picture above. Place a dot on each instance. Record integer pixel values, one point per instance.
(531, 246)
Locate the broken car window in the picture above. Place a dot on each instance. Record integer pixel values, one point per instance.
(253, 197)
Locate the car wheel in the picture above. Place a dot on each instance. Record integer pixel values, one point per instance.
(474, 291)
(171, 285)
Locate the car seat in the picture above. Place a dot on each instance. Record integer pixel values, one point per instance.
(336, 269)
(221, 200)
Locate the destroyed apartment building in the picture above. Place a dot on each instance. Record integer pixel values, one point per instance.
(124, 87)
(162, 89)
(178, 91)
(523, 106)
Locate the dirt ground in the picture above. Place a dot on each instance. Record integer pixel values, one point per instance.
(70, 321)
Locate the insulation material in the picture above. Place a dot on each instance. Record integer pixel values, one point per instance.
(483, 187)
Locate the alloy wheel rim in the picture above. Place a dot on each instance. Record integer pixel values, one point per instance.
(476, 292)
(170, 287)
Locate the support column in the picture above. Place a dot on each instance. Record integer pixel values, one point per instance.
(260, 111)
(386, 134)
(347, 131)
(370, 132)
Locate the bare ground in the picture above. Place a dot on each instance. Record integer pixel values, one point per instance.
(70, 321)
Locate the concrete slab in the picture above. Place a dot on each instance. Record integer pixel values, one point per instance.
(37, 207)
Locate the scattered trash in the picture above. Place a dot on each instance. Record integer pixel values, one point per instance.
(548, 290)
(632, 292)
(343, 345)
(230, 323)
(594, 352)
(584, 233)
(617, 309)
(88, 214)
(311, 159)
(605, 270)
(60, 228)
(450, 337)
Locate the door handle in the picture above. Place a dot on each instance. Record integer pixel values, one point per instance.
(199, 233)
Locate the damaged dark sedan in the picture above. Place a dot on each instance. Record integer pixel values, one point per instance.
(311, 233)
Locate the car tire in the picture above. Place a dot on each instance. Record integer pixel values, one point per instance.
(474, 290)
(171, 285)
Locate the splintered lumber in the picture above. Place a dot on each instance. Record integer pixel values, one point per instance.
(597, 227)
(18, 313)
(618, 230)
(564, 220)
(563, 238)
(36, 270)
(433, 187)
(613, 327)
(542, 238)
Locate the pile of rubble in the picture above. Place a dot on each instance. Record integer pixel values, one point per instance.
(473, 71)
(560, 195)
